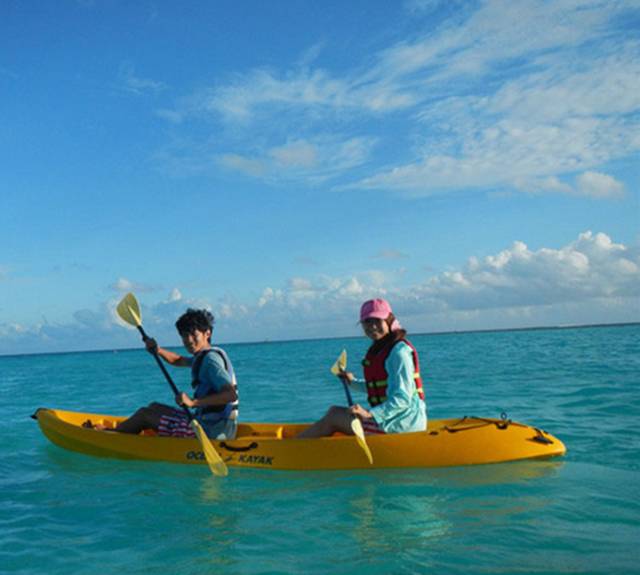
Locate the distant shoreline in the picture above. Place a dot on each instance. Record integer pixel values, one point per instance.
(279, 341)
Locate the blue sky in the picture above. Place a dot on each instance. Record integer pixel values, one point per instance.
(280, 162)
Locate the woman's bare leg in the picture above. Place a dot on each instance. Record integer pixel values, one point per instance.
(337, 419)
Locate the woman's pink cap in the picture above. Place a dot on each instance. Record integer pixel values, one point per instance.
(377, 308)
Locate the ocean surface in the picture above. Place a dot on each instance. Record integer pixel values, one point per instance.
(66, 513)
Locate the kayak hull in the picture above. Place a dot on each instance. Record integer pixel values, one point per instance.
(446, 442)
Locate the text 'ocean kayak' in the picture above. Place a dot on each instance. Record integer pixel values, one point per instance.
(446, 442)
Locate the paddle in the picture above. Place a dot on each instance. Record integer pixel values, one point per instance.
(338, 368)
(129, 310)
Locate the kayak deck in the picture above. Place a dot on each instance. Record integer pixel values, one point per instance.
(446, 442)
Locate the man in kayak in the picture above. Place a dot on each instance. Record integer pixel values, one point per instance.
(215, 397)
(391, 378)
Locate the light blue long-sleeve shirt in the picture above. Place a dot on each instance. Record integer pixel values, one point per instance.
(403, 410)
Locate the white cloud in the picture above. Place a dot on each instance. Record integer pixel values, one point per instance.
(550, 184)
(588, 184)
(599, 185)
(126, 285)
(175, 295)
(268, 295)
(555, 92)
(300, 284)
(296, 154)
(591, 279)
(315, 160)
(123, 284)
(240, 100)
(512, 155)
(134, 84)
(352, 287)
(592, 275)
(589, 268)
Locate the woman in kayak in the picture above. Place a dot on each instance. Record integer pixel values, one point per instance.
(391, 377)
(215, 397)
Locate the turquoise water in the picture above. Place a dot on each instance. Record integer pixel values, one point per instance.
(62, 512)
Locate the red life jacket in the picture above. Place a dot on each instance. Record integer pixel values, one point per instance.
(376, 375)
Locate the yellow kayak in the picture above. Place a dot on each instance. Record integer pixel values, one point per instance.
(446, 442)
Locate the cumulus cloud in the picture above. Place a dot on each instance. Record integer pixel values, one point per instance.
(89, 329)
(316, 295)
(175, 295)
(589, 268)
(592, 279)
(160, 316)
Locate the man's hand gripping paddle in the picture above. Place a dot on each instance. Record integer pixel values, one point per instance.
(129, 310)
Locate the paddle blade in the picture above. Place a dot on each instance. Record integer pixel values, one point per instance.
(340, 364)
(356, 427)
(217, 466)
(129, 310)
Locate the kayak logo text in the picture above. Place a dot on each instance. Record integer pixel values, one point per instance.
(260, 459)
(250, 459)
(197, 455)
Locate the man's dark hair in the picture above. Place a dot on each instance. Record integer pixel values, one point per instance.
(192, 319)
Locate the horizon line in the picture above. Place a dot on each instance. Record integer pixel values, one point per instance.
(278, 341)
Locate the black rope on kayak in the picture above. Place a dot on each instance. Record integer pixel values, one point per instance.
(501, 424)
(467, 428)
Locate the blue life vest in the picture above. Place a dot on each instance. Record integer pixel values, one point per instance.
(214, 413)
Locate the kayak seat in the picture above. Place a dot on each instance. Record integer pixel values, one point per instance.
(278, 433)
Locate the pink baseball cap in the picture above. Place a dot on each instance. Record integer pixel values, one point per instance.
(377, 308)
(380, 309)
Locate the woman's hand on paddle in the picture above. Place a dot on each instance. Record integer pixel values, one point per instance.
(360, 412)
(346, 376)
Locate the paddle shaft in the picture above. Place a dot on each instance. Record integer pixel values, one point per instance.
(347, 390)
(356, 424)
(145, 338)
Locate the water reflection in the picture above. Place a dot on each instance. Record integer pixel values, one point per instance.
(495, 474)
(386, 522)
(253, 520)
